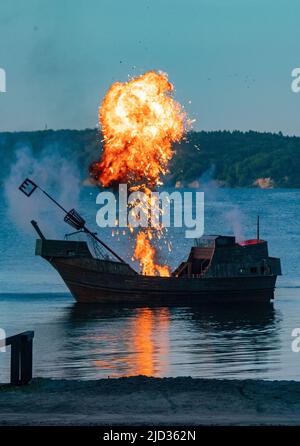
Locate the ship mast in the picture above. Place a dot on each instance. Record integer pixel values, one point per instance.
(72, 217)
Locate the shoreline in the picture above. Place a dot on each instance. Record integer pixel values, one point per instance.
(151, 401)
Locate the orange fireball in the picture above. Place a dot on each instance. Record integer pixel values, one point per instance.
(139, 121)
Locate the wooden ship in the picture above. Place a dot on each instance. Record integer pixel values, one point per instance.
(217, 269)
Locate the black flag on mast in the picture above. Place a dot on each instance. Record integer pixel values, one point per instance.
(28, 187)
(72, 217)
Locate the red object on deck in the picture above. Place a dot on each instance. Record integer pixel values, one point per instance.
(252, 241)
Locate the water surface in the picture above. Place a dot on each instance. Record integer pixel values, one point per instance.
(87, 341)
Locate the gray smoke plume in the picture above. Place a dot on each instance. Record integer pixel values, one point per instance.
(233, 218)
(53, 173)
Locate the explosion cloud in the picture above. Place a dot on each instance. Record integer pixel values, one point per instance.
(139, 120)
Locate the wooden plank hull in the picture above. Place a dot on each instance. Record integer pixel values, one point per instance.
(89, 285)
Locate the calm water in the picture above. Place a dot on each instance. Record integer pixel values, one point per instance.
(84, 341)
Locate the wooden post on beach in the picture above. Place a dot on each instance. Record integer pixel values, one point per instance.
(21, 357)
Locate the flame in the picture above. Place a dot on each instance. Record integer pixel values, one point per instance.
(140, 120)
(145, 252)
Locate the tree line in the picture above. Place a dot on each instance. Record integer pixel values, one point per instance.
(232, 158)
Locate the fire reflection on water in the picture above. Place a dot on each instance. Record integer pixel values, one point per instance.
(150, 341)
(147, 343)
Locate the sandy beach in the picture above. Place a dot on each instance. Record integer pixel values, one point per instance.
(151, 401)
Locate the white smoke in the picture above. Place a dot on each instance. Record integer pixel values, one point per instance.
(233, 217)
(53, 173)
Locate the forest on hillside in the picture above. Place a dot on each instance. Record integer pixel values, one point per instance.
(233, 159)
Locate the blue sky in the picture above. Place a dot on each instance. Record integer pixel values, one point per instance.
(233, 59)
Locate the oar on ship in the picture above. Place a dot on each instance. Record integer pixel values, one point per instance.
(72, 217)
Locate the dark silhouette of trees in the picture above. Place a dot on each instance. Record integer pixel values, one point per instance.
(234, 159)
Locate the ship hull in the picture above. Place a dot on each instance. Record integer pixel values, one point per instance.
(94, 286)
